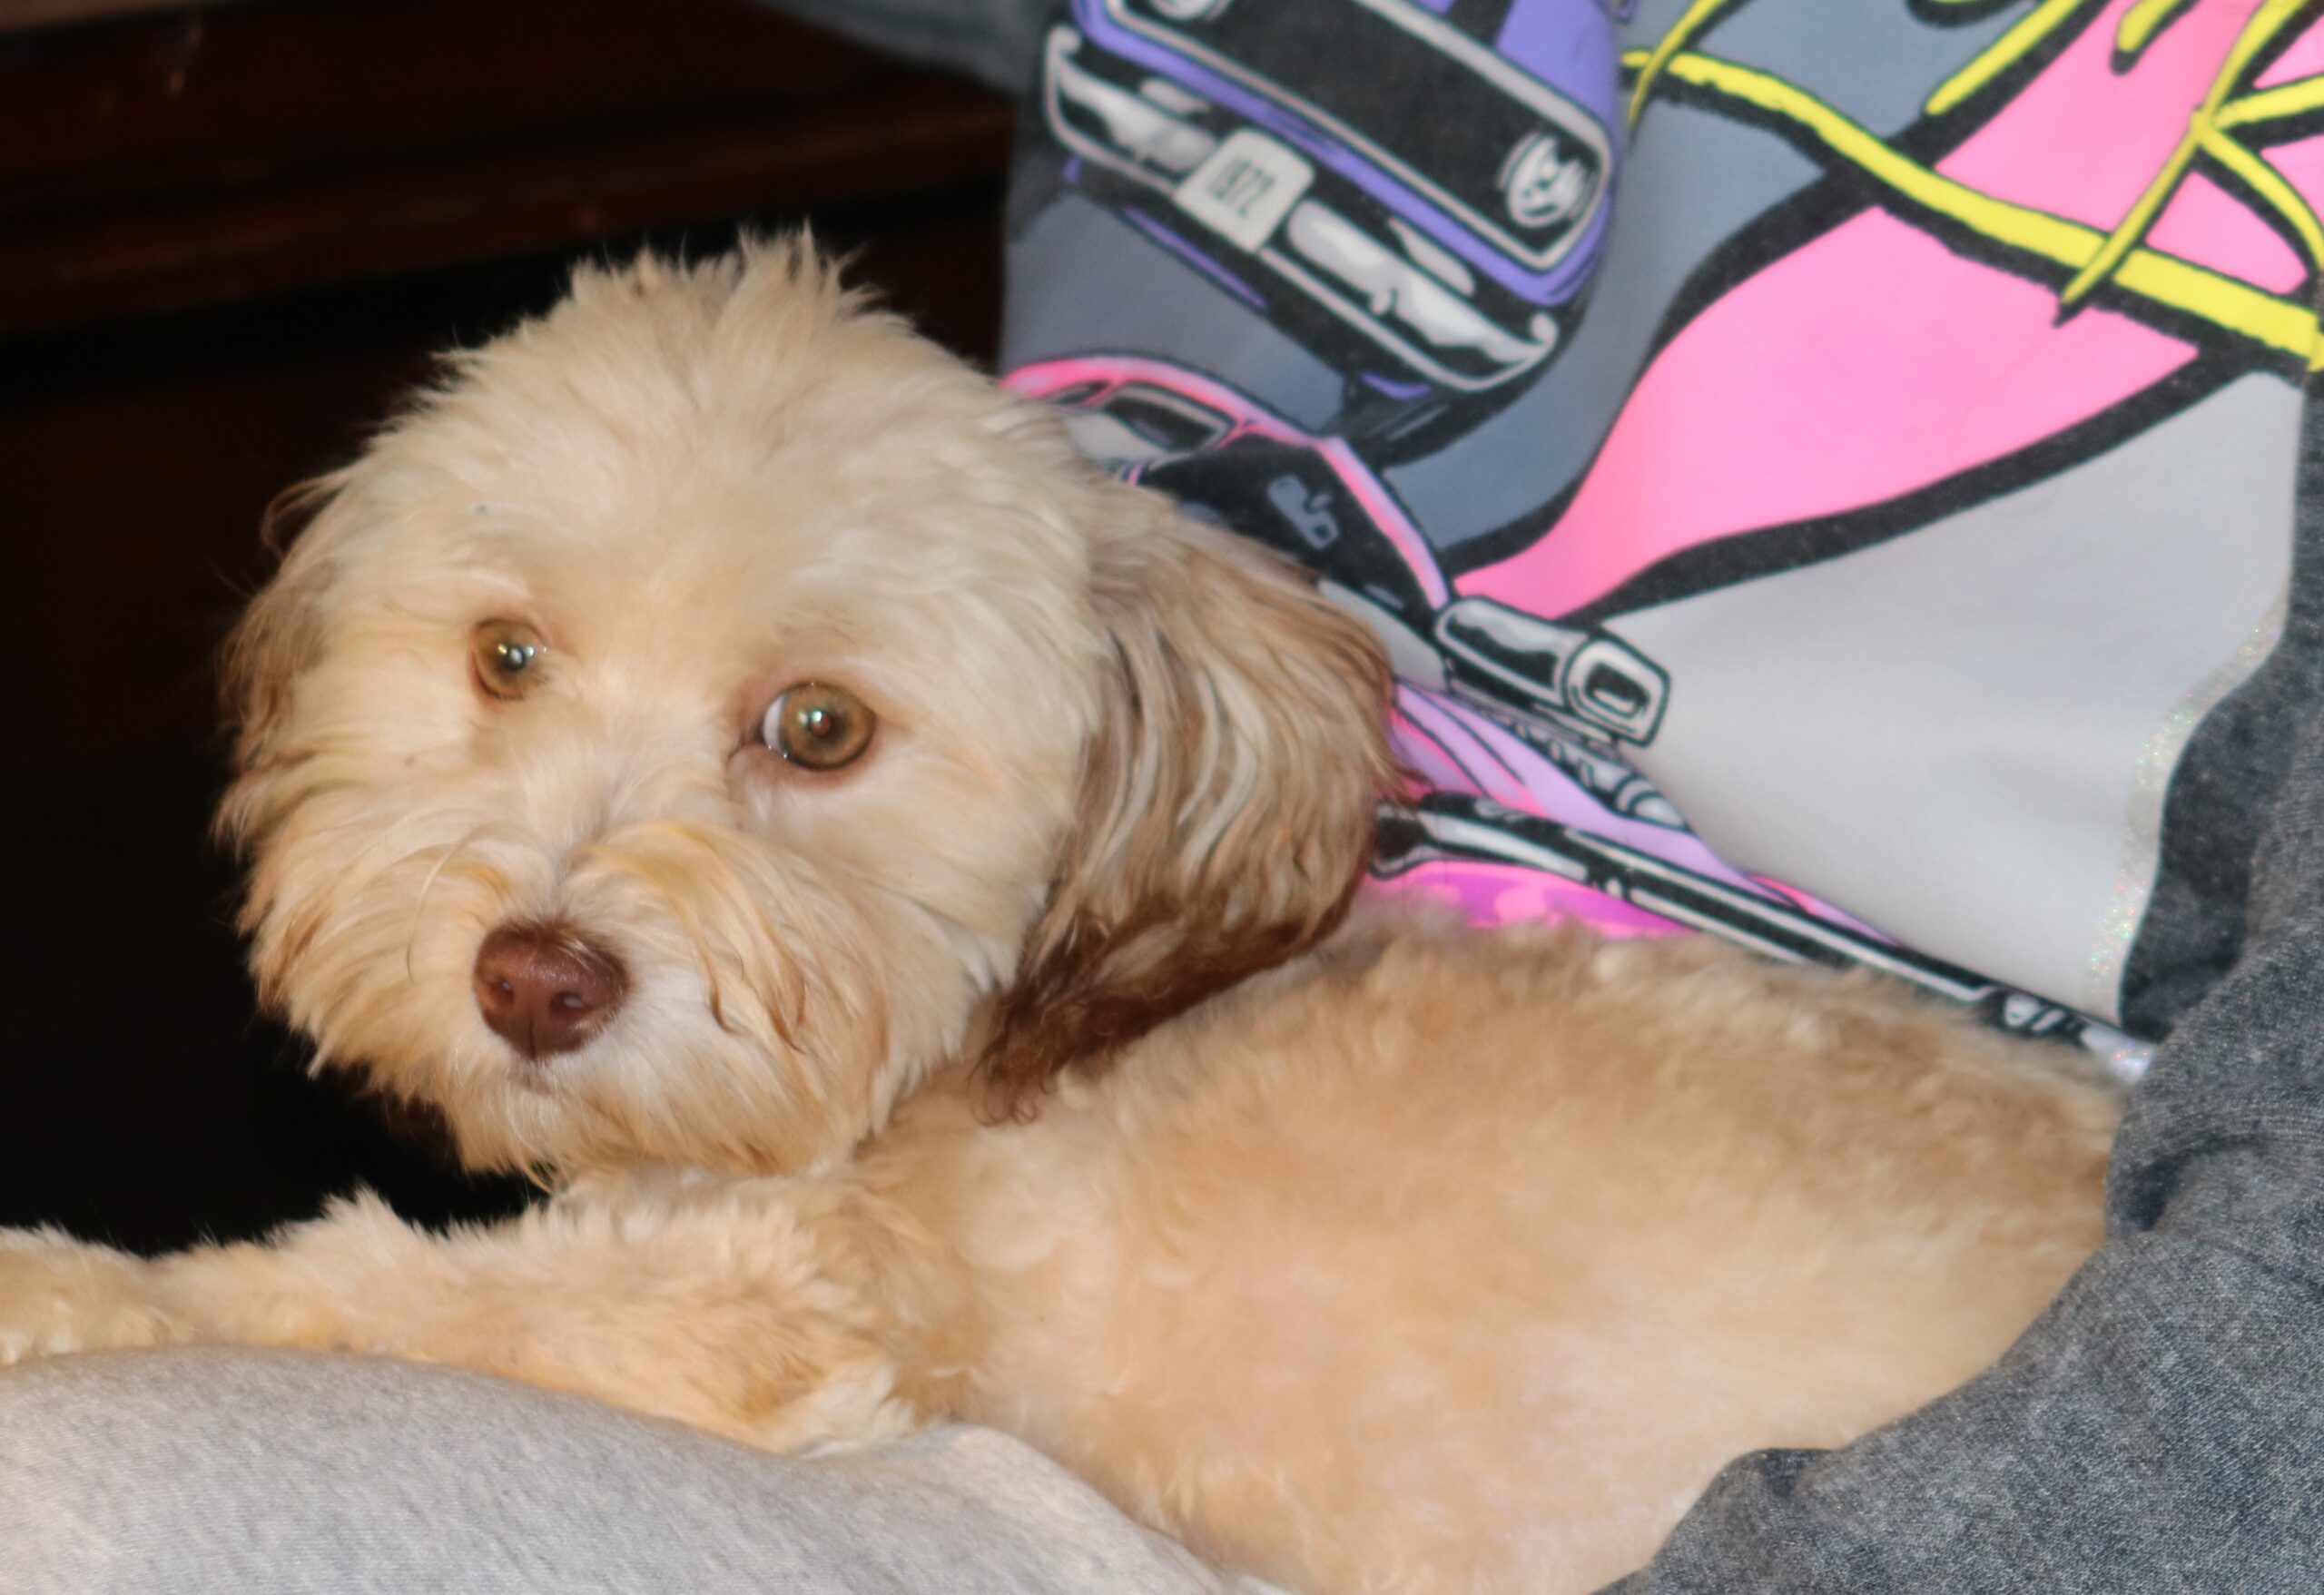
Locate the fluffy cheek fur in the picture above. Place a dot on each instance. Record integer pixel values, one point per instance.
(1123, 761)
(726, 1052)
(798, 952)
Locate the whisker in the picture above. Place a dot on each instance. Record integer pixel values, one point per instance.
(791, 993)
(419, 909)
(691, 926)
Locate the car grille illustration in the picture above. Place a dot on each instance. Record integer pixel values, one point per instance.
(1453, 273)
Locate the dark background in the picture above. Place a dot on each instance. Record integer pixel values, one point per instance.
(229, 237)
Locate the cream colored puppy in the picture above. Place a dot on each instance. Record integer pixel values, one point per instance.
(889, 878)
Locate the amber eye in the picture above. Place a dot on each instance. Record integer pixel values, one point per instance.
(818, 726)
(507, 654)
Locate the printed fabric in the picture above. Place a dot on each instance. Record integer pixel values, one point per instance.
(1825, 469)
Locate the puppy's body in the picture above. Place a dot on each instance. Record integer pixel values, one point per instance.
(1435, 1260)
(1424, 1259)
(1366, 1277)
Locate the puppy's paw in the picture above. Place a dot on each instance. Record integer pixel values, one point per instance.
(59, 1294)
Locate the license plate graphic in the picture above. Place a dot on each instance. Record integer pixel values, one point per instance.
(1245, 187)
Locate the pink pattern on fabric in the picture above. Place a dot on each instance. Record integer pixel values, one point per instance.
(2039, 151)
(2301, 161)
(1871, 363)
(1454, 746)
(2205, 222)
(1875, 361)
(1507, 894)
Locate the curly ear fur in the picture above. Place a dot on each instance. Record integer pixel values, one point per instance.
(278, 637)
(1228, 799)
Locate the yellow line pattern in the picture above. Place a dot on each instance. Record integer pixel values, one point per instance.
(2298, 97)
(2142, 21)
(2258, 32)
(2025, 36)
(1699, 15)
(2163, 280)
(2273, 191)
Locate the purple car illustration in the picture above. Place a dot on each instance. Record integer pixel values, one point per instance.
(1445, 275)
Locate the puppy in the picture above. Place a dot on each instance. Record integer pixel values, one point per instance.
(893, 881)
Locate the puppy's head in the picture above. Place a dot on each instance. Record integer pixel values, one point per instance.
(712, 708)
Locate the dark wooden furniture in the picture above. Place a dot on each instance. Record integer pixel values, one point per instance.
(214, 153)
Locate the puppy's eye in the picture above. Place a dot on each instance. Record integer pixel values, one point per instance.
(507, 654)
(818, 725)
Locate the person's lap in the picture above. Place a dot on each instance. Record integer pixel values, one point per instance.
(207, 1470)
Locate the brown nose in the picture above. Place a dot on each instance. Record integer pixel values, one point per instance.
(544, 990)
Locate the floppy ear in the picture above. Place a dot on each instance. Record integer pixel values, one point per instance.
(278, 637)
(1228, 797)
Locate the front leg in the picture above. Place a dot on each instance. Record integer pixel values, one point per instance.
(732, 1308)
(60, 1294)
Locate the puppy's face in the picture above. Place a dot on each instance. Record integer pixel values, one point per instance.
(714, 708)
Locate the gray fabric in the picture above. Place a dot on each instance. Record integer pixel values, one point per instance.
(225, 1472)
(1057, 270)
(1937, 629)
(2161, 1429)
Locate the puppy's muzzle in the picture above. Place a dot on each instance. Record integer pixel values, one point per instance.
(544, 989)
